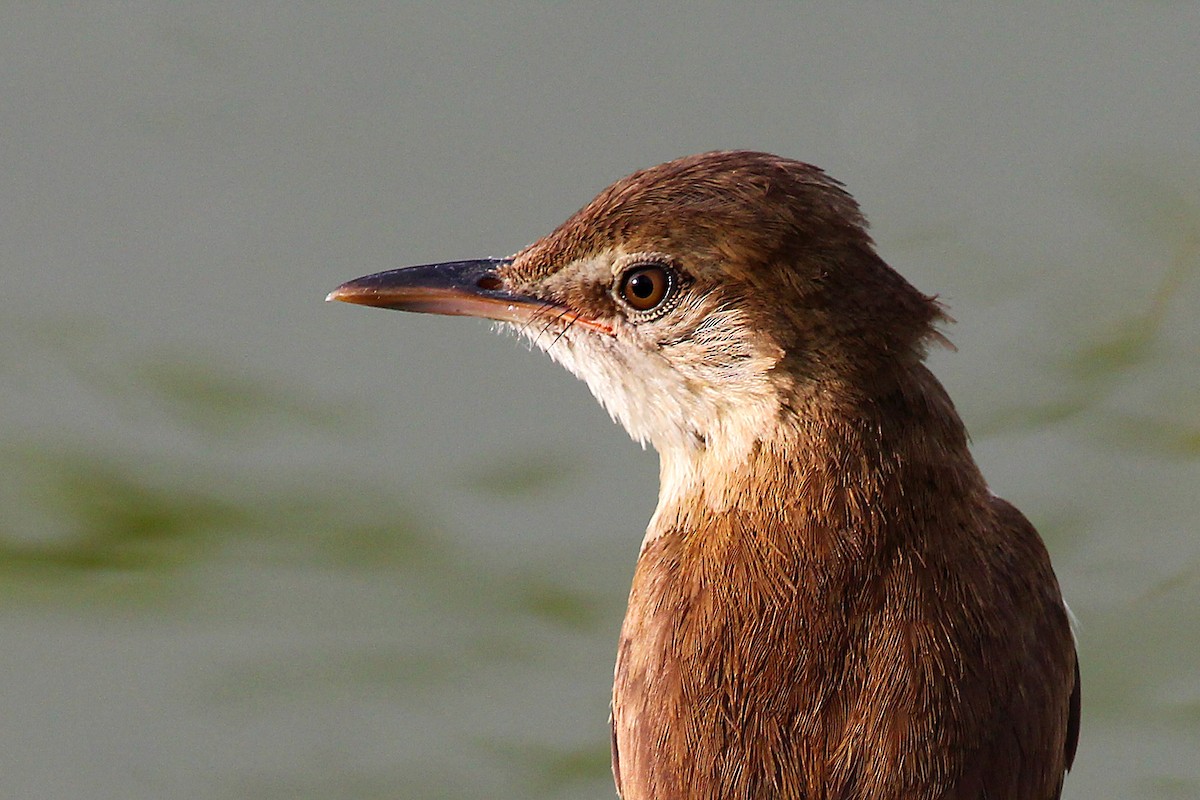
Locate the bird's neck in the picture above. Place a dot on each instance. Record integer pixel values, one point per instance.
(825, 457)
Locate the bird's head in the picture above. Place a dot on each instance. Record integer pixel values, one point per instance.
(698, 299)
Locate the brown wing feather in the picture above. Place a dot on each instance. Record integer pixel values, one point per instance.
(616, 756)
(1073, 720)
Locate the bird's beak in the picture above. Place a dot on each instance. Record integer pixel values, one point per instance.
(457, 288)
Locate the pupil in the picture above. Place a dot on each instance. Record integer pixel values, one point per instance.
(642, 286)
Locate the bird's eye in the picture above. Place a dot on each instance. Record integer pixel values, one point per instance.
(646, 286)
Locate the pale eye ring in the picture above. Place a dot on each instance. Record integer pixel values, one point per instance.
(646, 287)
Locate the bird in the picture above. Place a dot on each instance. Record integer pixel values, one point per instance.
(829, 602)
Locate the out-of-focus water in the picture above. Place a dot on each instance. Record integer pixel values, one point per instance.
(253, 545)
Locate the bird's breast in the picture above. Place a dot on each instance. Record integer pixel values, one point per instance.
(717, 682)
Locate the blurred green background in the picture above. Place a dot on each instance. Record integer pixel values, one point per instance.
(257, 546)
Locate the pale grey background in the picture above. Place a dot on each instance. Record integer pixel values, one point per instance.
(258, 546)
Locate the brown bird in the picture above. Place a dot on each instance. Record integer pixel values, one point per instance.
(829, 603)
